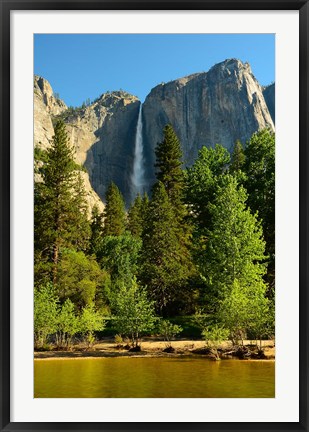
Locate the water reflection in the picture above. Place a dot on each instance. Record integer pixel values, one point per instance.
(153, 378)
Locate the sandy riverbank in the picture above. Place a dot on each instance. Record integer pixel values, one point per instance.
(149, 348)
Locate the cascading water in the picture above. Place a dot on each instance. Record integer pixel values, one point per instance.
(138, 180)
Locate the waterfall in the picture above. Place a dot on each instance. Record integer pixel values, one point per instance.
(138, 174)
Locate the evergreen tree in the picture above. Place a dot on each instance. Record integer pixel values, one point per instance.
(96, 229)
(259, 168)
(168, 164)
(59, 208)
(114, 212)
(237, 159)
(145, 203)
(135, 217)
(165, 261)
(235, 246)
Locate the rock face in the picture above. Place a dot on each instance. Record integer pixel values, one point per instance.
(111, 156)
(269, 96)
(104, 134)
(47, 107)
(220, 106)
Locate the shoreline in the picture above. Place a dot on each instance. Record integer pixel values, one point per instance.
(154, 349)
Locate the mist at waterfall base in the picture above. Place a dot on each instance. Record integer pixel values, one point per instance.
(138, 174)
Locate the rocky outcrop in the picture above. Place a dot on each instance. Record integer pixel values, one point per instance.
(269, 96)
(46, 108)
(220, 106)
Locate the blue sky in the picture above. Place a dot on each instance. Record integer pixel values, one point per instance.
(81, 66)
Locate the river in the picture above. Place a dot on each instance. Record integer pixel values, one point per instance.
(153, 378)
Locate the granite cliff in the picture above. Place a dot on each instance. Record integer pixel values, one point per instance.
(47, 107)
(219, 106)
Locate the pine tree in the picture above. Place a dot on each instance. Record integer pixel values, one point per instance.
(96, 228)
(237, 159)
(144, 208)
(59, 208)
(235, 247)
(165, 262)
(168, 164)
(114, 212)
(135, 217)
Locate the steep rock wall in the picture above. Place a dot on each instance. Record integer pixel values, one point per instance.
(219, 106)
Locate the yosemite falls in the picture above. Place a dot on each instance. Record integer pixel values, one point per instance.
(138, 181)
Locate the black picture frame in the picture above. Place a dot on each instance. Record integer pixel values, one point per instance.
(6, 7)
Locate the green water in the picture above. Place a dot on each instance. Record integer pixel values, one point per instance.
(153, 378)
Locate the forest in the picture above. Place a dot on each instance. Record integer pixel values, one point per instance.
(200, 249)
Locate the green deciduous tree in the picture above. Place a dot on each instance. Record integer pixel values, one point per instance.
(45, 313)
(80, 278)
(68, 325)
(246, 309)
(201, 182)
(235, 246)
(214, 335)
(133, 312)
(90, 322)
(114, 212)
(169, 330)
(118, 255)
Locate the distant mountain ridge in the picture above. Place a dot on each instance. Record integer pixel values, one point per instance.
(219, 106)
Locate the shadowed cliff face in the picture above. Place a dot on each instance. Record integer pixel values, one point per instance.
(111, 156)
(269, 96)
(220, 106)
(217, 107)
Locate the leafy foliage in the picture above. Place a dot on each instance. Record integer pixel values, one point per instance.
(91, 321)
(169, 330)
(119, 256)
(134, 313)
(67, 325)
(79, 278)
(201, 183)
(235, 246)
(45, 313)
